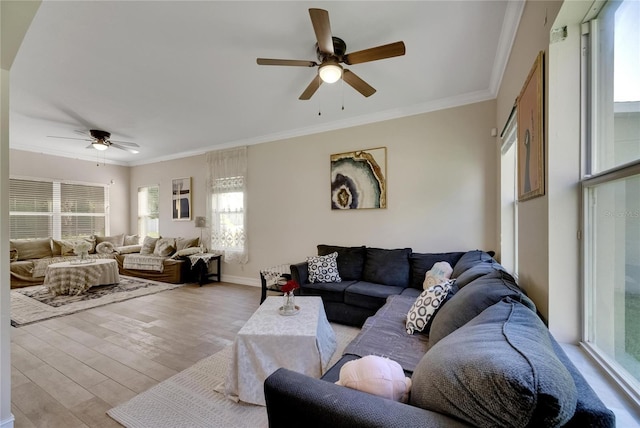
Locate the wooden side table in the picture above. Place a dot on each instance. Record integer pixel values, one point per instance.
(201, 264)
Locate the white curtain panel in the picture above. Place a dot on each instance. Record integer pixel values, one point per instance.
(227, 203)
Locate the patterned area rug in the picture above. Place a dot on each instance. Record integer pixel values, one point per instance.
(189, 398)
(32, 304)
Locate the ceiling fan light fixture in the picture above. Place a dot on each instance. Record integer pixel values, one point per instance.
(99, 145)
(330, 73)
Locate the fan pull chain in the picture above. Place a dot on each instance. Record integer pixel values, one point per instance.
(342, 92)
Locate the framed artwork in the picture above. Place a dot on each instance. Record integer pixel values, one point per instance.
(181, 198)
(358, 179)
(530, 104)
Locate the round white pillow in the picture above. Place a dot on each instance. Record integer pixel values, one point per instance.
(105, 248)
(376, 375)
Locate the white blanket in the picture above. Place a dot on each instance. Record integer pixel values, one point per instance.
(144, 262)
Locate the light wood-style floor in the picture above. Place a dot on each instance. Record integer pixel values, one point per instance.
(67, 372)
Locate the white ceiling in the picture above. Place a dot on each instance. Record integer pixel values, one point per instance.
(180, 78)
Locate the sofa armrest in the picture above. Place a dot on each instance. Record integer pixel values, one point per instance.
(294, 399)
(300, 272)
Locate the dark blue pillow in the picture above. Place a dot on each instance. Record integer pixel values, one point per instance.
(422, 262)
(499, 370)
(350, 260)
(388, 267)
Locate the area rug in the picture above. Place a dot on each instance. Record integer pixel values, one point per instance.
(189, 398)
(32, 304)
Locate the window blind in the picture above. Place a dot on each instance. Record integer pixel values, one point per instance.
(43, 208)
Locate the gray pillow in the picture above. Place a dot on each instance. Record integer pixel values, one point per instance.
(148, 245)
(499, 370)
(27, 249)
(477, 271)
(467, 303)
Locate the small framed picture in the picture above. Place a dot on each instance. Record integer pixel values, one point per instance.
(181, 198)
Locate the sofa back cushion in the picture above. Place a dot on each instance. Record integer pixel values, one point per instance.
(388, 267)
(116, 240)
(470, 259)
(512, 378)
(478, 270)
(31, 248)
(350, 260)
(422, 262)
(66, 247)
(474, 298)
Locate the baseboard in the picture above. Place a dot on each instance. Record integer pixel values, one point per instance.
(240, 280)
(7, 423)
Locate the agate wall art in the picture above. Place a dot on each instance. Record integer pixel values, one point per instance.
(358, 179)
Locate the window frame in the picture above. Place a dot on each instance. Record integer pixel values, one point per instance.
(148, 213)
(592, 176)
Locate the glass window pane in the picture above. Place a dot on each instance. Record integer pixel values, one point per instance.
(616, 109)
(614, 271)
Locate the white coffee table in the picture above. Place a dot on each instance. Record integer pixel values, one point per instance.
(304, 343)
(73, 278)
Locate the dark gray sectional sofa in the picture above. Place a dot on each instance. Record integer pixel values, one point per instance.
(487, 359)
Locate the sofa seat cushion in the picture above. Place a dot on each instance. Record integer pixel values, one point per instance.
(384, 334)
(369, 295)
(474, 298)
(421, 263)
(411, 292)
(511, 378)
(329, 291)
(390, 267)
(350, 260)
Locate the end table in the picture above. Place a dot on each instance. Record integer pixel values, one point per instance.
(201, 264)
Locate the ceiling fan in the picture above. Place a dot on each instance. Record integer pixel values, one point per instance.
(101, 140)
(331, 53)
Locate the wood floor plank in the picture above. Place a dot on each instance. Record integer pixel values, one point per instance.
(68, 371)
(41, 409)
(112, 392)
(136, 361)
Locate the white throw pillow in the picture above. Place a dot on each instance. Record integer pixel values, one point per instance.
(425, 306)
(105, 248)
(324, 268)
(439, 273)
(129, 249)
(187, 252)
(148, 245)
(376, 375)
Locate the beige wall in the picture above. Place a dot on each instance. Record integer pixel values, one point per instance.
(441, 180)
(38, 165)
(161, 174)
(533, 220)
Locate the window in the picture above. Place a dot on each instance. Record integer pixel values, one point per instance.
(611, 188)
(148, 215)
(509, 195)
(43, 208)
(227, 203)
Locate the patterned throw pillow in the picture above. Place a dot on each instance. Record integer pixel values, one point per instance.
(324, 268)
(165, 247)
(439, 273)
(425, 306)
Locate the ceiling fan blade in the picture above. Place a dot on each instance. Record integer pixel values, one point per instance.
(322, 28)
(69, 138)
(85, 133)
(118, 146)
(311, 89)
(290, 62)
(357, 83)
(124, 143)
(374, 54)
